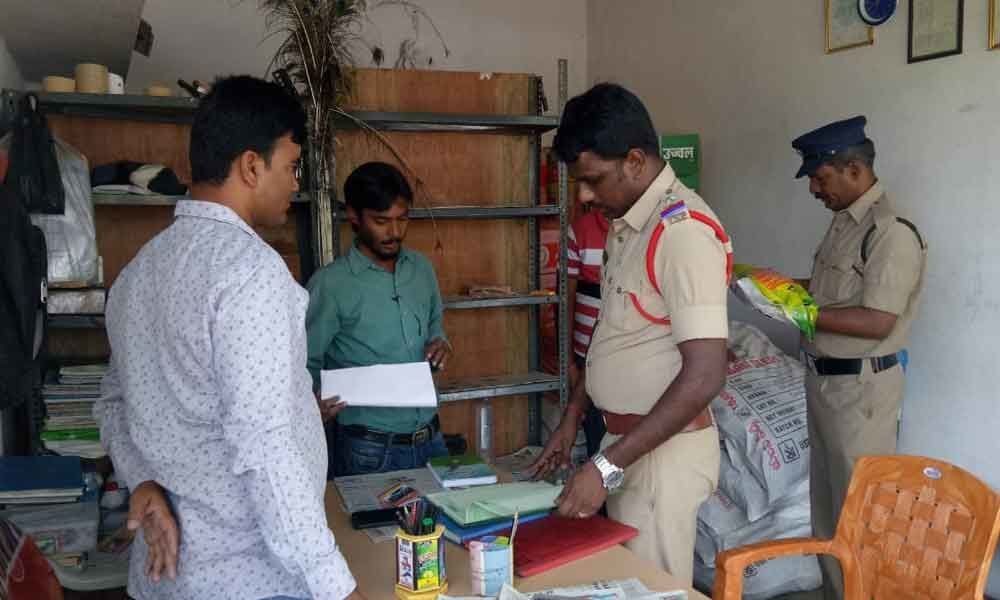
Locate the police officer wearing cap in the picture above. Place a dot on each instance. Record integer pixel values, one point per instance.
(866, 279)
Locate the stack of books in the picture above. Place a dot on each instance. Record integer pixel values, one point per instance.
(461, 471)
(40, 480)
(45, 497)
(70, 428)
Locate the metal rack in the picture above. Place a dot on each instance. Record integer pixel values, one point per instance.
(534, 382)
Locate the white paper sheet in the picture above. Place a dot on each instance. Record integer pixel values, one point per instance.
(407, 385)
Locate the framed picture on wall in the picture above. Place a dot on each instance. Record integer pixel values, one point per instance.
(935, 29)
(994, 41)
(844, 28)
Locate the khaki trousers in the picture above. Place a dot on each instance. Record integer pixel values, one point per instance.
(849, 416)
(661, 495)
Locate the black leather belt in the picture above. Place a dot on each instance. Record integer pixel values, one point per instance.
(850, 366)
(424, 434)
(589, 289)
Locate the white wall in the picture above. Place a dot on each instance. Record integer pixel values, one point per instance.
(10, 75)
(198, 39)
(750, 76)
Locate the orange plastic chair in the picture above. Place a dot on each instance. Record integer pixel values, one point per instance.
(911, 527)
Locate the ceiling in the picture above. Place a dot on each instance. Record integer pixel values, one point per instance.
(49, 37)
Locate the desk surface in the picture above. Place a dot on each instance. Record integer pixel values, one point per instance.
(374, 566)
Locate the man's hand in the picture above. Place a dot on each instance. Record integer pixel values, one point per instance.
(574, 374)
(437, 352)
(558, 450)
(583, 494)
(329, 408)
(148, 508)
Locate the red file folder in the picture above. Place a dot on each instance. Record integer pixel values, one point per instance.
(554, 541)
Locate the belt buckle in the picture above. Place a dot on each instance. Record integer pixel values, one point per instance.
(419, 437)
(810, 362)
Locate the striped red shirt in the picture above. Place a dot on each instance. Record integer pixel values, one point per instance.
(586, 254)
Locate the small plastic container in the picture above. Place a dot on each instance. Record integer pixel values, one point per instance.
(59, 529)
(491, 563)
(420, 565)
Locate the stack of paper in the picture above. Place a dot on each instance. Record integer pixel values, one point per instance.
(70, 429)
(492, 503)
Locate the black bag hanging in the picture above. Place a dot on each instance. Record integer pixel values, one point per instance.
(34, 170)
(22, 297)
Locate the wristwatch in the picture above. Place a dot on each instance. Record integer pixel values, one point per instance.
(611, 474)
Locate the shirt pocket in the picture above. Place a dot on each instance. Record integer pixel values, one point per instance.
(842, 279)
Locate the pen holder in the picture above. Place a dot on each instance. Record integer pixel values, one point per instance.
(420, 568)
(491, 560)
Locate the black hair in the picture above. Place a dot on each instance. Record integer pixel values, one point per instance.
(376, 186)
(241, 113)
(863, 153)
(607, 120)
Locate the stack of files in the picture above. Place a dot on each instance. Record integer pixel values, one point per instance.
(551, 542)
(70, 428)
(457, 534)
(496, 503)
(40, 479)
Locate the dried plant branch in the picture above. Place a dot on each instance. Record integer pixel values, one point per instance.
(317, 53)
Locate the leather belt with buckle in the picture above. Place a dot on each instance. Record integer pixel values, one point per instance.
(620, 424)
(849, 366)
(420, 436)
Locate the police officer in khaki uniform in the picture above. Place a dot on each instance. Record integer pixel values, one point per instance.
(866, 280)
(658, 354)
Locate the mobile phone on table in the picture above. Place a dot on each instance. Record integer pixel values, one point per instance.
(367, 519)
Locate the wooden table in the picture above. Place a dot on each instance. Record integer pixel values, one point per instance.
(374, 565)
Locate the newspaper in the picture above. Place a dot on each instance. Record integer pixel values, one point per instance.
(360, 492)
(377, 535)
(518, 463)
(623, 589)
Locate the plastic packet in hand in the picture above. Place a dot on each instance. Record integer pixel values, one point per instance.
(776, 296)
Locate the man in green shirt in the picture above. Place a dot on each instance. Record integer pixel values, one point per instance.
(379, 304)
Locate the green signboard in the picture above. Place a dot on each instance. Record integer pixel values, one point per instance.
(683, 153)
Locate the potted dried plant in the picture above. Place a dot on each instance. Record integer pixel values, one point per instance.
(319, 39)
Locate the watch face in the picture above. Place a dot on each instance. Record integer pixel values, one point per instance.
(876, 12)
(615, 479)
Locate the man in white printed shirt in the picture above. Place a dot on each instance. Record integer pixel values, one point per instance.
(208, 404)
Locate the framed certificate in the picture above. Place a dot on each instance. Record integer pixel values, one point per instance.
(935, 29)
(994, 37)
(844, 28)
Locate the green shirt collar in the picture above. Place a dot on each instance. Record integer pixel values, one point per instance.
(358, 261)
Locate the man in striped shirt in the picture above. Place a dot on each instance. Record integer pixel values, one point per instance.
(585, 252)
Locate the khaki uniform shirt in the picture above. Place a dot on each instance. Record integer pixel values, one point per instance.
(631, 360)
(890, 280)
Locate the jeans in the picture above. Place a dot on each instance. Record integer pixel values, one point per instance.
(358, 456)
